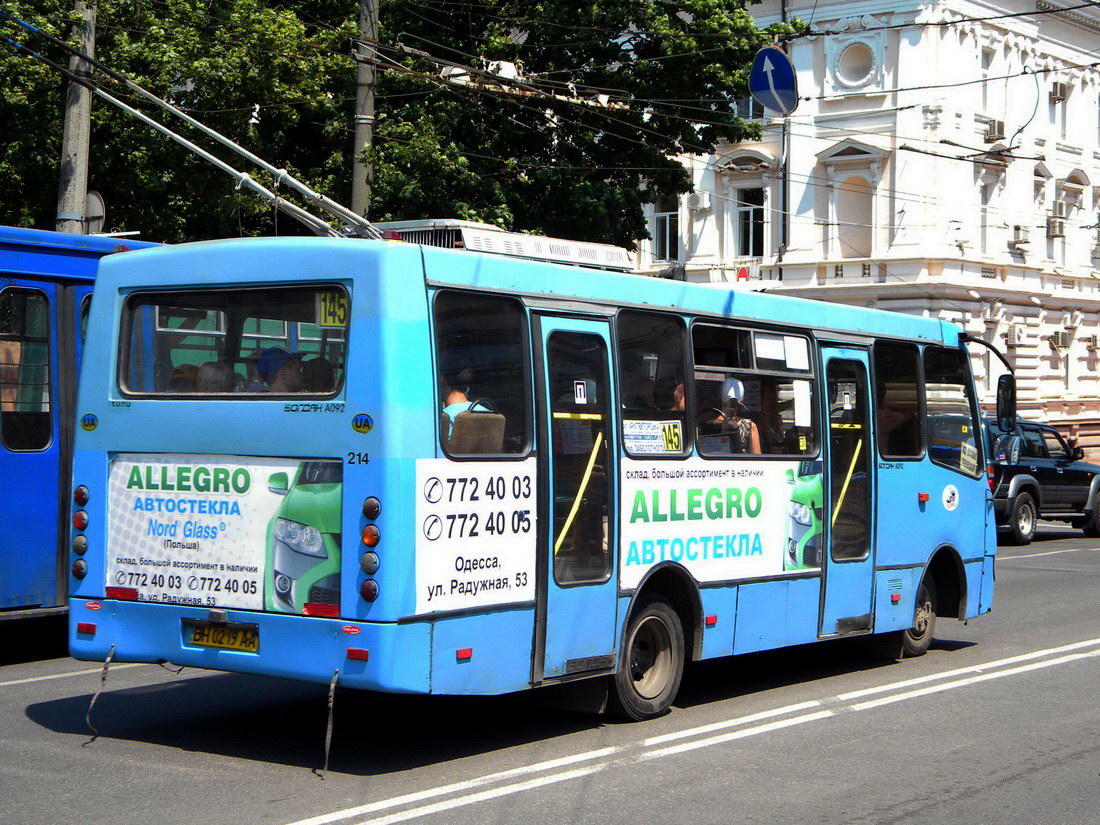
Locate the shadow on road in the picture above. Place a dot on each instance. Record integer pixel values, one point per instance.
(283, 722)
(28, 640)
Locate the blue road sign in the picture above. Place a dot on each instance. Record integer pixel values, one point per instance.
(772, 81)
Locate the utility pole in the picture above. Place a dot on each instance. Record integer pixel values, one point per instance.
(364, 107)
(73, 191)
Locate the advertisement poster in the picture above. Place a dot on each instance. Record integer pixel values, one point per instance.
(228, 531)
(722, 520)
(475, 540)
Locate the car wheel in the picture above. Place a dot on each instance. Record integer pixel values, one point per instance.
(916, 640)
(1021, 522)
(651, 662)
(1091, 524)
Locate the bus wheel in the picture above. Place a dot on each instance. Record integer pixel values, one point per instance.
(916, 640)
(651, 662)
(1021, 520)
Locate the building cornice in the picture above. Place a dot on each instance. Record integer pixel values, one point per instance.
(1074, 17)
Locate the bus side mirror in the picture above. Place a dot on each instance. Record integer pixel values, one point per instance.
(1006, 403)
(278, 484)
(1007, 450)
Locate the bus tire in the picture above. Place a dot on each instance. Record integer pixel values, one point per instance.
(1022, 519)
(916, 640)
(651, 662)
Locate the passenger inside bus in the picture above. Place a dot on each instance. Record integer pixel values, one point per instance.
(183, 378)
(215, 376)
(281, 370)
(318, 375)
(726, 428)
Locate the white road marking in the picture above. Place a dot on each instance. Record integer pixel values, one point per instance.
(1049, 553)
(96, 671)
(606, 758)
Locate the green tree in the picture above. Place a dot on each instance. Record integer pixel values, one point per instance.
(278, 77)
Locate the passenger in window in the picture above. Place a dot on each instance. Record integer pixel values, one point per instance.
(318, 375)
(281, 370)
(215, 376)
(743, 432)
(183, 378)
(897, 427)
(670, 394)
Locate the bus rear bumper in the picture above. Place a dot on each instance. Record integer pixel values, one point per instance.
(295, 647)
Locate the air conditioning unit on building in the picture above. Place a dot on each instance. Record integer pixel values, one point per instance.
(1016, 335)
(1020, 235)
(1058, 91)
(698, 201)
(1092, 341)
(1060, 209)
(994, 131)
(1061, 339)
(1056, 227)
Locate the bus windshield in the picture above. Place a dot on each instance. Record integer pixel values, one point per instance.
(262, 342)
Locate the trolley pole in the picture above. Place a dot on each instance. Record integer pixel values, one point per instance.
(362, 172)
(73, 191)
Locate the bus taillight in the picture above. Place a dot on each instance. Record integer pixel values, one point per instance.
(80, 495)
(371, 535)
(991, 476)
(80, 519)
(371, 507)
(369, 590)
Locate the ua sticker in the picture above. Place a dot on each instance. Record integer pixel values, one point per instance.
(89, 422)
(362, 423)
(950, 497)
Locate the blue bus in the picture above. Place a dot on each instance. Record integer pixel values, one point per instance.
(44, 294)
(541, 473)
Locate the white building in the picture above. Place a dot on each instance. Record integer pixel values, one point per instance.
(938, 165)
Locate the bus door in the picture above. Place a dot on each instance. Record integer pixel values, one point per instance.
(31, 455)
(577, 581)
(849, 564)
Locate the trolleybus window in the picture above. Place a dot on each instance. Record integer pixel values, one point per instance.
(24, 369)
(952, 439)
(897, 422)
(742, 404)
(264, 342)
(651, 370)
(481, 357)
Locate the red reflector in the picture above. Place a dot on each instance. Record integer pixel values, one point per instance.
(922, 497)
(87, 628)
(315, 609)
(895, 598)
(129, 594)
(712, 621)
(464, 654)
(358, 654)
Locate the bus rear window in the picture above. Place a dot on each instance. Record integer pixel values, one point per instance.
(244, 342)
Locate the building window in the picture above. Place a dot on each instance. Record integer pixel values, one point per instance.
(666, 231)
(748, 222)
(854, 217)
(748, 108)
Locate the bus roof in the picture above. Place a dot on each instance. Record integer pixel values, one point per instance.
(58, 254)
(443, 267)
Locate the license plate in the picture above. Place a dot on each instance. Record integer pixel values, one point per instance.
(223, 636)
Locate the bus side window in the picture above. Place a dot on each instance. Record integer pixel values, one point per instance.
(481, 357)
(25, 370)
(897, 400)
(952, 438)
(651, 373)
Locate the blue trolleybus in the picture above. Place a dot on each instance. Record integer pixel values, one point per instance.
(45, 287)
(427, 471)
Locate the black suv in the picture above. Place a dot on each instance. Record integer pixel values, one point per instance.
(1048, 480)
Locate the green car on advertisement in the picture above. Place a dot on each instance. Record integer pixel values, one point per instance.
(805, 526)
(303, 541)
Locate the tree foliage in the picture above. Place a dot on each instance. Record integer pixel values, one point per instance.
(278, 77)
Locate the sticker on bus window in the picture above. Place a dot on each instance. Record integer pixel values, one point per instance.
(968, 458)
(653, 437)
(332, 309)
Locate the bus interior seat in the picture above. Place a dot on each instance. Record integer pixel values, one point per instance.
(476, 431)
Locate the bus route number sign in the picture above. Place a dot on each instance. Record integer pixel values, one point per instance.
(670, 432)
(332, 309)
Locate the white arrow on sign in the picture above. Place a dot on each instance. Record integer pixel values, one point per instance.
(768, 68)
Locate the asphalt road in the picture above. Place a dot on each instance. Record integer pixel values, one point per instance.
(998, 723)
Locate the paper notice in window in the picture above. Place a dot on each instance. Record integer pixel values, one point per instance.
(803, 412)
(797, 352)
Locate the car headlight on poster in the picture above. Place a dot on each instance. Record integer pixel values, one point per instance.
(301, 538)
(801, 514)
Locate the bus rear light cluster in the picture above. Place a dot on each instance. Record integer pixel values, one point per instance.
(80, 569)
(371, 536)
(80, 519)
(991, 476)
(80, 544)
(80, 496)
